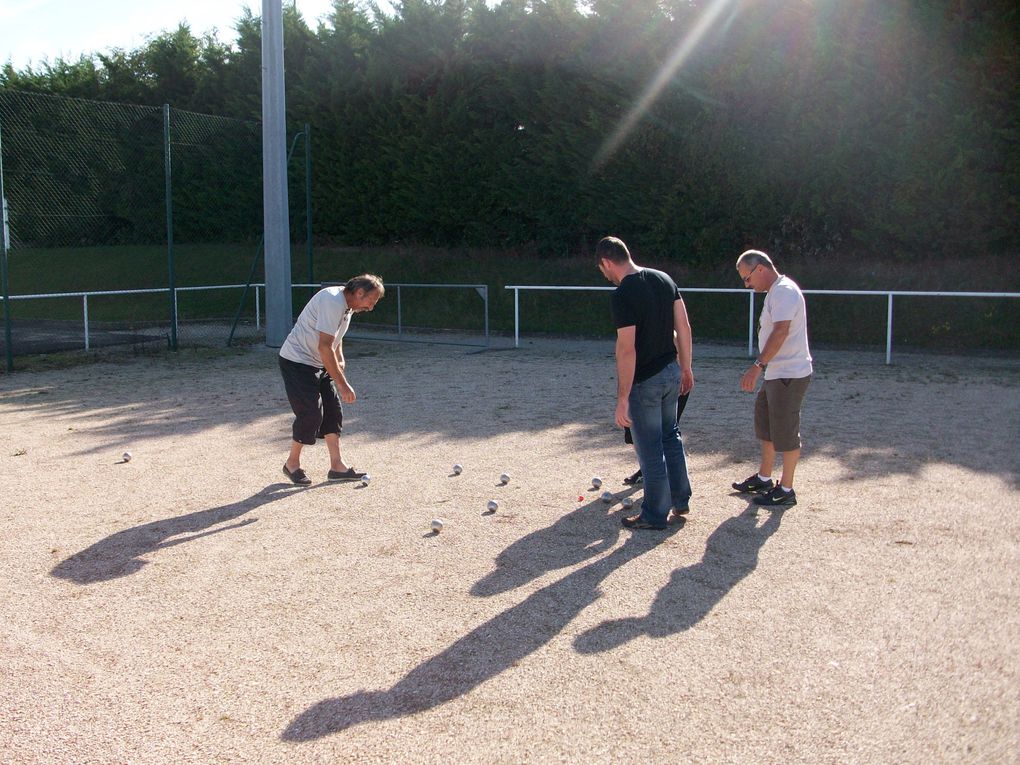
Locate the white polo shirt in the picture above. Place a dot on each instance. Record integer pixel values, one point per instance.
(326, 312)
(785, 302)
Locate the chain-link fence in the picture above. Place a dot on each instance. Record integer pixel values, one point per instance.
(116, 198)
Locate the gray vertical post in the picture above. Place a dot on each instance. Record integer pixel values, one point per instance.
(85, 317)
(308, 202)
(485, 298)
(276, 221)
(888, 332)
(517, 319)
(4, 246)
(400, 322)
(168, 193)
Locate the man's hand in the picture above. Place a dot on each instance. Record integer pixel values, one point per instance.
(347, 394)
(750, 379)
(686, 381)
(622, 413)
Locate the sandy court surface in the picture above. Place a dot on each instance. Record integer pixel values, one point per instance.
(189, 606)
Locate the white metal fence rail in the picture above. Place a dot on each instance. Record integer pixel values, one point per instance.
(517, 288)
(889, 294)
(481, 289)
(151, 291)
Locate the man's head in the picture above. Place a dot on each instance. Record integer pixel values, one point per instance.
(756, 270)
(613, 258)
(363, 292)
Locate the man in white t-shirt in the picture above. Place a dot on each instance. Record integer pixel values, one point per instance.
(313, 368)
(784, 357)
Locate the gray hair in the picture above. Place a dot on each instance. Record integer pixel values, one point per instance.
(366, 282)
(752, 258)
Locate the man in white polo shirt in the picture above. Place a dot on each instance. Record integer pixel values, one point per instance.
(784, 357)
(313, 368)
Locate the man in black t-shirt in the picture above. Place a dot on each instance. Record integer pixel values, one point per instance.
(653, 365)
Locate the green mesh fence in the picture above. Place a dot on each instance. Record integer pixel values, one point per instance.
(80, 174)
(88, 206)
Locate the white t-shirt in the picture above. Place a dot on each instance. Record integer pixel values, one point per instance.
(326, 312)
(785, 302)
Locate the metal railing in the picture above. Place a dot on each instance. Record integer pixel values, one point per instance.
(483, 292)
(172, 293)
(481, 289)
(750, 308)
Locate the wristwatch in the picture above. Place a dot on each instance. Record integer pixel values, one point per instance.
(758, 363)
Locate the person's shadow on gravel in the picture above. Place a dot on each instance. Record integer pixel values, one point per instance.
(731, 553)
(483, 653)
(572, 539)
(121, 554)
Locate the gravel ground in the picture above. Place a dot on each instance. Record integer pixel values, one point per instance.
(189, 606)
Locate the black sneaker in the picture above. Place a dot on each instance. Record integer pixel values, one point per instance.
(345, 475)
(636, 522)
(754, 485)
(632, 480)
(297, 476)
(777, 497)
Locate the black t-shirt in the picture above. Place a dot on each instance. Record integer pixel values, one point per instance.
(645, 301)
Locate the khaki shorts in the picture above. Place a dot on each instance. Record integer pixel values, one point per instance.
(777, 412)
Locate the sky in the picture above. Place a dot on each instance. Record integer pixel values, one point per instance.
(34, 31)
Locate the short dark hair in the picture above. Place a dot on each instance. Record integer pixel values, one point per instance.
(613, 249)
(367, 282)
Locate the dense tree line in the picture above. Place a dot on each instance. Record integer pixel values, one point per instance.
(854, 125)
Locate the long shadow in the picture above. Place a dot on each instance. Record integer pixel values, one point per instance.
(121, 554)
(731, 553)
(572, 539)
(486, 651)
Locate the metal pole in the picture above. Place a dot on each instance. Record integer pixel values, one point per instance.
(279, 309)
(4, 246)
(750, 325)
(168, 192)
(517, 318)
(400, 324)
(485, 297)
(254, 263)
(308, 202)
(258, 317)
(85, 317)
(888, 332)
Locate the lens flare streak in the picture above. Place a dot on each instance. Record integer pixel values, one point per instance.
(662, 78)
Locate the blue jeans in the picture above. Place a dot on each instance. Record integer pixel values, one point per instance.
(659, 447)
